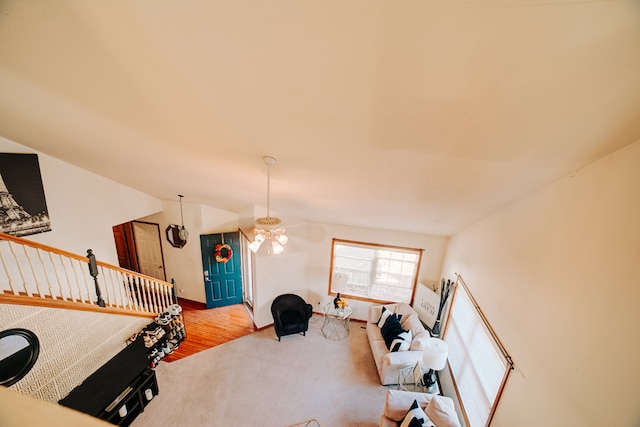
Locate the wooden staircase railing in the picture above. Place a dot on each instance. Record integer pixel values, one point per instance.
(35, 274)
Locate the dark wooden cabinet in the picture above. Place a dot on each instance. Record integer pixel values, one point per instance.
(134, 399)
(119, 390)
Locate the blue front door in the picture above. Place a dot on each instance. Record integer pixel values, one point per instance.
(222, 280)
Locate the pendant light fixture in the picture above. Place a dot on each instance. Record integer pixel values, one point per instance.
(177, 234)
(267, 228)
(183, 233)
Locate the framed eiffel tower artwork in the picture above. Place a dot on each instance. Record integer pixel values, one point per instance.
(23, 207)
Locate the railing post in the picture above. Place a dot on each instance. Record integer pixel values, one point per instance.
(93, 271)
(173, 291)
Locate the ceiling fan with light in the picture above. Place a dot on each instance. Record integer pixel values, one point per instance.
(268, 227)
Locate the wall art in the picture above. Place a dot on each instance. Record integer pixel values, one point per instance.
(23, 207)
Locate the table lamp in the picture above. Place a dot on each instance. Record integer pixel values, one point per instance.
(434, 358)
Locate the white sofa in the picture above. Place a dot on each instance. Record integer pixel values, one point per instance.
(387, 362)
(439, 409)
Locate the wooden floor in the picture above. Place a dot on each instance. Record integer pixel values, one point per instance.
(208, 328)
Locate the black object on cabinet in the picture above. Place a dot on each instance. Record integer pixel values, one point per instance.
(120, 383)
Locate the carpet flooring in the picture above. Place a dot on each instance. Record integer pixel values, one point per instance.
(258, 381)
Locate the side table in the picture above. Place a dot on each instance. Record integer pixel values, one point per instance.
(336, 322)
(408, 382)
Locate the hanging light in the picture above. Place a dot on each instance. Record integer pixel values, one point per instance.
(176, 234)
(183, 233)
(267, 228)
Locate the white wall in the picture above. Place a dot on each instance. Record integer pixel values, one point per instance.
(557, 276)
(303, 268)
(185, 264)
(84, 206)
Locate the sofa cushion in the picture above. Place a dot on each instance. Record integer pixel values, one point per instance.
(415, 417)
(419, 341)
(391, 329)
(379, 349)
(291, 320)
(442, 411)
(412, 321)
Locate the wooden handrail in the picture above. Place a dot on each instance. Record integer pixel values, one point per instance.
(31, 270)
(50, 303)
(36, 245)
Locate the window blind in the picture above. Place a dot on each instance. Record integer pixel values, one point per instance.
(478, 363)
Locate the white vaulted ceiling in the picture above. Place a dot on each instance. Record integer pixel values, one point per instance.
(420, 115)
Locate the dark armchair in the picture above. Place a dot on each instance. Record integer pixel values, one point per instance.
(291, 315)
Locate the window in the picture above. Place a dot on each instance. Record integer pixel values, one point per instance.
(374, 272)
(478, 362)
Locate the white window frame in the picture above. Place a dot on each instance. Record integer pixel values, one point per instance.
(390, 268)
(478, 362)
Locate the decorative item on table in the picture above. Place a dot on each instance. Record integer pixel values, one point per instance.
(434, 359)
(340, 303)
(445, 291)
(339, 284)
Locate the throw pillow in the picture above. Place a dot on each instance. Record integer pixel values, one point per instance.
(415, 417)
(412, 322)
(406, 319)
(442, 411)
(391, 329)
(384, 315)
(402, 342)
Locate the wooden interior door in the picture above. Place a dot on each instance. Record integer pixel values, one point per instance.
(139, 248)
(149, 249)
(125, 246)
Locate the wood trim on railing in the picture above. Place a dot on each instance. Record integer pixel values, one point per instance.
(4, 236)
(52, 303)
(132, 273)
(37, 245)
(141, 295)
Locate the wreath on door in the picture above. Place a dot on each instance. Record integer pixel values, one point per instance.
(222, 253)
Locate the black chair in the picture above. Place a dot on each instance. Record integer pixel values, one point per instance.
(291, 315)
